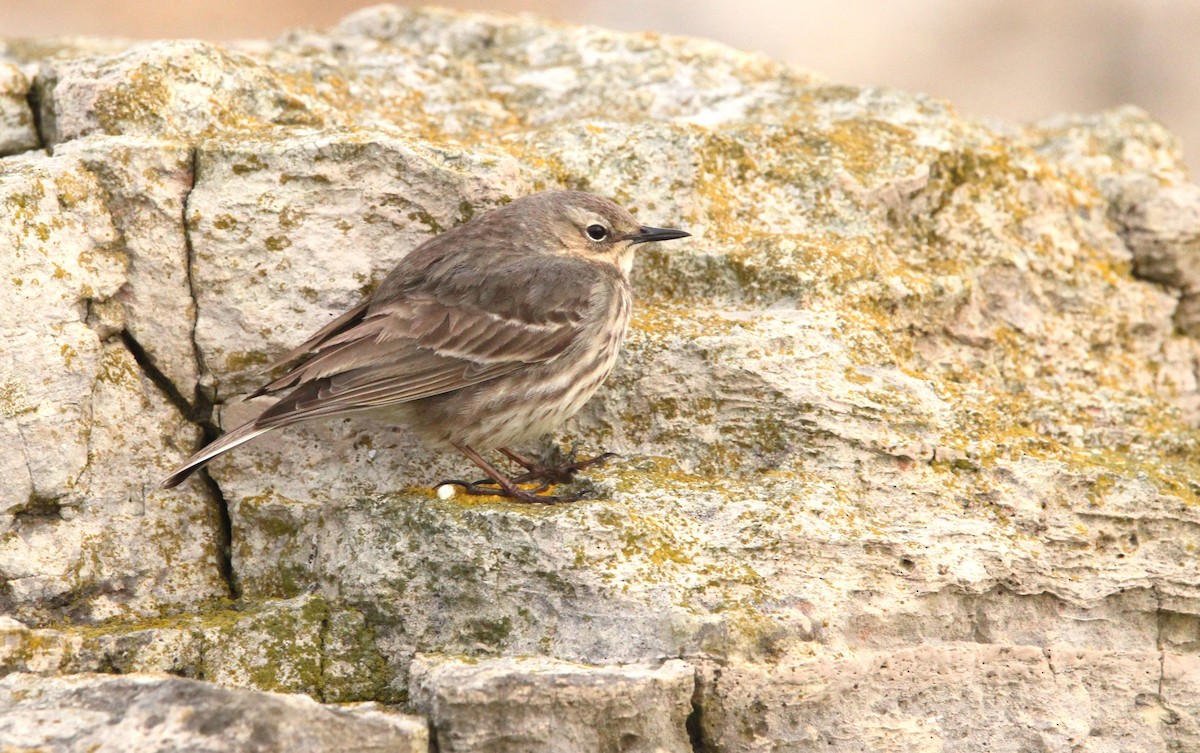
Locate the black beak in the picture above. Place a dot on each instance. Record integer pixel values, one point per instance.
(650, 234)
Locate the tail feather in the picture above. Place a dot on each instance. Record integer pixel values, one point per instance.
(222, 444)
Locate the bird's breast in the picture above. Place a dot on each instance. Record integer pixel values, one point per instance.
(537, 400)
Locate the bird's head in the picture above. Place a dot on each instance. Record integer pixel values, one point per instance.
(594, 228)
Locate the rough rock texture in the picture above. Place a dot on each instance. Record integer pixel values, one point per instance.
(17, 132)
(542, 704)
(931, 698)
(99, 714)
(909, 426)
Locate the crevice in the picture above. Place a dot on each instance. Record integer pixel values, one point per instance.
(434, 746)
(33, 98)
(224, 531)
(202, 398)
(695, 720)
(160, 380)
(695, 730)
(200, 414)
(38, 509)
(197, 410)
(322, 641)
(1158, 640)
(204, 393)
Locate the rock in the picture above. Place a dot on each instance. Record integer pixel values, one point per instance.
(85, 534)
(1161, 225)
(294, 646)
(539, 704)
(156, 713)
(965, 696)
(919, 390)
(171, 90)
(35, 651)
(17, 131)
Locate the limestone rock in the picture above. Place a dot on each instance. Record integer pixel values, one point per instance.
(177, 90)
(297, 645)
(955, 697)
(919, 389)
(17, 131)
(147, 713)
(1161, 225)
(86, 533)
(544, 705)
(34, 651)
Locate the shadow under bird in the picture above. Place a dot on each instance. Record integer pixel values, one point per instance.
(484, 337)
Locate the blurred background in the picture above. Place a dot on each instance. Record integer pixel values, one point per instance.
(1009, 59)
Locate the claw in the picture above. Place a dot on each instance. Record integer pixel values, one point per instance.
(490, 488)
(557, 474)
(500, 485)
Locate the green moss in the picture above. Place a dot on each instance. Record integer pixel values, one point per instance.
(355, 669)
(426, 219)
(246, 360)
(277, 242)
(224, 222)
(144, 98)
(288, 652)
(252, 163)
(491, 633)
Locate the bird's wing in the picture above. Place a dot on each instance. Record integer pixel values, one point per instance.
(318, 338)
(436, 337)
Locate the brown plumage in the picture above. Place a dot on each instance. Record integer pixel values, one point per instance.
(486, 336)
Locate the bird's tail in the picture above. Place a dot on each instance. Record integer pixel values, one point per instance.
(222, 444)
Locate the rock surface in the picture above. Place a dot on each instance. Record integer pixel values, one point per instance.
(914, 411)
(102, 713)
(541, 704)
(931, 698)
(17, 132)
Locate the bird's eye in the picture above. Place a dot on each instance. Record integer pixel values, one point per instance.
(597, 232)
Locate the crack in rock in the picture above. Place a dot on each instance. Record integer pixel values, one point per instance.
(199, 414)
(33, 98)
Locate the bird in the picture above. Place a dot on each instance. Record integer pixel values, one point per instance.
(481, 338)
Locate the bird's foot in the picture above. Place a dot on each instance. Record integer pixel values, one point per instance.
(554, 474)
(490, 488)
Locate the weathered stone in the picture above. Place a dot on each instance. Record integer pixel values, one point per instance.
(951, 697)
(149, 713)
(37, 651)
(293, 646)
(17, 129)
(1161, 226)
(84, 531)
(553, 706)
(181, 90)
(918, 388)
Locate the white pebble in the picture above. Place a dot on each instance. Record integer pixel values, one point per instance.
(446, 491)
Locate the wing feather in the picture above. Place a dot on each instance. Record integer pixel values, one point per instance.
(421, 344)
(341, 324)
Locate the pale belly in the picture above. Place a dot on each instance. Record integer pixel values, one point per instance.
(531, 402)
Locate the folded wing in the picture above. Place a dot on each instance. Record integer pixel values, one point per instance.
(437, 335)
(427, 337)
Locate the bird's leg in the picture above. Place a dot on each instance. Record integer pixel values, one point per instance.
(555, 474)
(507, 486)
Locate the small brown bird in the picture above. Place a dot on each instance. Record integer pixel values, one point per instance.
(486, 336)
